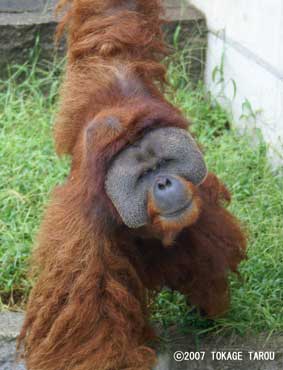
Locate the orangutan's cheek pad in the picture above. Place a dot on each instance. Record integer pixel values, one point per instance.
(170, 151)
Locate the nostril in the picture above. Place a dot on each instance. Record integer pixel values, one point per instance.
(164, 183)
(168, 183)
(161, 186)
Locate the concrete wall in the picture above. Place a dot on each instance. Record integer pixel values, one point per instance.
(245, 47)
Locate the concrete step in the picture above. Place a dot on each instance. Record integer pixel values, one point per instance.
(23, 22)
(214, 350)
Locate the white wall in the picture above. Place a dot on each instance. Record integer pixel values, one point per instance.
(248, 36)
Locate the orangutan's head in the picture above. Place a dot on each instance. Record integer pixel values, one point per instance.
(152, 173)
(153, 182)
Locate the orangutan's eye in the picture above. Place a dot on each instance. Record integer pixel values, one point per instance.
(159, 165)
(145, 173)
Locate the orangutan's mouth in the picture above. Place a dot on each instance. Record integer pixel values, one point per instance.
(188, 206)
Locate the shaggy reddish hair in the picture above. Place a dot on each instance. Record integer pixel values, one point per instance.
(88, 308)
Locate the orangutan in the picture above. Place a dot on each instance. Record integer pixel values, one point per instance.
(138, 211)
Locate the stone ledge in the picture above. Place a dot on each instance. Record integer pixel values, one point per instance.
(10, 324)
(23, 6)
(20, 6)
(25, 19)
(21, 26)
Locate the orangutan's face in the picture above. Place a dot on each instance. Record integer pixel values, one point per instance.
(156, 178)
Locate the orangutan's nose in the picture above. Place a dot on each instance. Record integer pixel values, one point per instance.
(170, 194)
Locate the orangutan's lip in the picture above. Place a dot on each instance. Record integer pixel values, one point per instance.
(179, 211)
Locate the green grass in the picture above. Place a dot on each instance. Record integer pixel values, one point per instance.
(29, 170)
